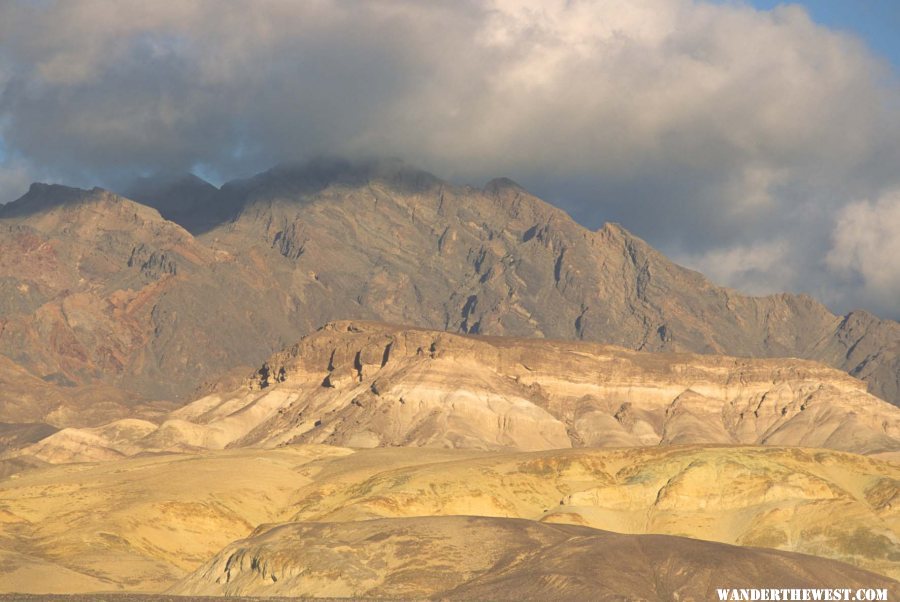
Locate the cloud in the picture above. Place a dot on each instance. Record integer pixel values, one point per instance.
(760, 268)
(708, 129)
(866, 249)
(15, 177)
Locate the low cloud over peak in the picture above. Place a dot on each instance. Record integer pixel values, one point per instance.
(715, 131)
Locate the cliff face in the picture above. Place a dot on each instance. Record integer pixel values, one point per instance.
(97, 288)
(367, 384)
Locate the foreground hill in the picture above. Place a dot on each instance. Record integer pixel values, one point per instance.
(477, 558)
(97, 288)
(369, 384)
(143, 524)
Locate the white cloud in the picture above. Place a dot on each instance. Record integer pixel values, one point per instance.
(599, 85)
(703, 127)
(760, 268)
(866, 248)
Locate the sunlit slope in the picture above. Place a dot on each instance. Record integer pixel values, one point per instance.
(141, 524)
(817, 502)
(368, 384)
(138, 525)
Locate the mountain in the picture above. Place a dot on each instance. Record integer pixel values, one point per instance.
(120, 295)
(98, 289)
(551, 411)
(368, 384)
(181, 198)
(148, 522)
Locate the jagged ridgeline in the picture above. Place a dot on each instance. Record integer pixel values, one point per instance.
(159, 295)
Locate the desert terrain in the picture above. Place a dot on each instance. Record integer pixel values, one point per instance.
(146, 524)
(492, 300)
(352, 425)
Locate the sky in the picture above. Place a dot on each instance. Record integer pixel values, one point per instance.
(757, 142)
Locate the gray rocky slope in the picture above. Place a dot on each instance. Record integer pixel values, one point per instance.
(110, 291)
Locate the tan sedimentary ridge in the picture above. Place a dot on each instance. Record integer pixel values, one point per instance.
(366, 384)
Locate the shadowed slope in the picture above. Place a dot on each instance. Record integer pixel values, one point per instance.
(100, 290)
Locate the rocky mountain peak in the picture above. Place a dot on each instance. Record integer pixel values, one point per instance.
(298, 179)
(80, 213)
(43, 197)
(185, 199)
(498, 185)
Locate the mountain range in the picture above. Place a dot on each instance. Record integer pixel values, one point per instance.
(152, 299)
(356, 379)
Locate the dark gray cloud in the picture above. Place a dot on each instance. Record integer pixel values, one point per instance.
(756, 146)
